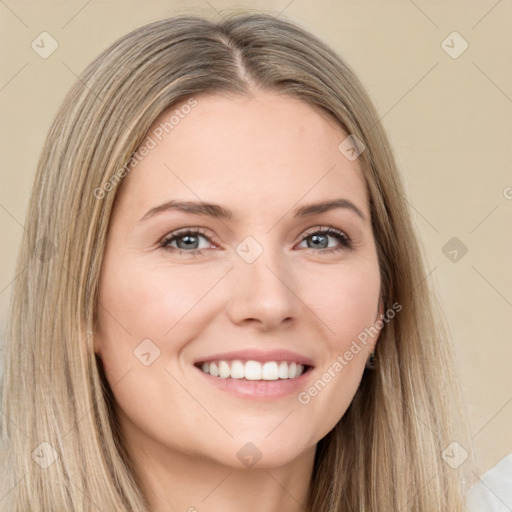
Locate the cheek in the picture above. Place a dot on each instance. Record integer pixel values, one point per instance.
(347, 302)
(149, 302)
(159, 303)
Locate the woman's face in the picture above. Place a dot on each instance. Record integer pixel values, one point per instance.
(261, 278)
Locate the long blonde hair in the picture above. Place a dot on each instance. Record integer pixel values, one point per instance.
(61, 441)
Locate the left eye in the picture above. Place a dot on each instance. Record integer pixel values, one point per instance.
(320, 237)
(187, 241)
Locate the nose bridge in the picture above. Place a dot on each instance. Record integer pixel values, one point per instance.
(262, 283)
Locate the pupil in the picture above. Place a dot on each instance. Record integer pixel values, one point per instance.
(317, 237)
(190, 240)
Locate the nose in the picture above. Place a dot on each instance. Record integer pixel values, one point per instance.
(263, 292)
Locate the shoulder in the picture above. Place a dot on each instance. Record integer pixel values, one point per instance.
(493, 492)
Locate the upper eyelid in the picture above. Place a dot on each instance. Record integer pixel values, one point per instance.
(325, 228)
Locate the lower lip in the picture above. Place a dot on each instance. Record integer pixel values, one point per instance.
(259, 389)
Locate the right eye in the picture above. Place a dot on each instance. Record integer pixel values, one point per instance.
(186, 240)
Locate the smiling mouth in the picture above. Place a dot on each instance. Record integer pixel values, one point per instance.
(251, 370)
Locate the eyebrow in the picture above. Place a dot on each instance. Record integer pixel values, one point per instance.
(218, 212)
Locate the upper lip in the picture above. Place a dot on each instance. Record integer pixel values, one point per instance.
(258, 355)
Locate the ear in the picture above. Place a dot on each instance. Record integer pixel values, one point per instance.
(93, 342)
(379, 316)
(380, 311)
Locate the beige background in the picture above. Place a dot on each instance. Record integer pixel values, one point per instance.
(449, 119)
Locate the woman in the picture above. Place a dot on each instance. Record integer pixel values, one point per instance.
(294, 360)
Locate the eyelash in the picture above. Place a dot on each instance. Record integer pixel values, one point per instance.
(345, 242)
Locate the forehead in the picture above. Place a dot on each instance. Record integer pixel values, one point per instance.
(247, 153)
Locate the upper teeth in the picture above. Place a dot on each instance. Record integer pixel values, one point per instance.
(253, 370)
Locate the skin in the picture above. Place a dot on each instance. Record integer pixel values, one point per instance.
(261, 157)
